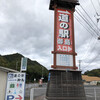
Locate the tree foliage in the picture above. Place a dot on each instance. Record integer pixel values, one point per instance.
(95, 72)
(34, 69)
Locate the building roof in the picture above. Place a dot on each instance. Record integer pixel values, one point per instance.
(90, 78)
(8, 69)
(63, 3)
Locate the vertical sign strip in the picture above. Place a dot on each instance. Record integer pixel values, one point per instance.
(64, 31)
(23, 64)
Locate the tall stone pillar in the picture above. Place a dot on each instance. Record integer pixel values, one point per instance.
(64, 81)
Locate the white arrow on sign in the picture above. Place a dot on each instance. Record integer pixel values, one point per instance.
(63, 12)
(69, 49)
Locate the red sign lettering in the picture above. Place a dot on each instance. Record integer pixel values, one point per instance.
(20, 98)
(64, 31)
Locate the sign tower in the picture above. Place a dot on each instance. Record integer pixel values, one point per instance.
(64, 45)
(64, 81)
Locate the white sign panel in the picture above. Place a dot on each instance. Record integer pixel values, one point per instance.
(15, 86)
(64, 60)
(23, 64)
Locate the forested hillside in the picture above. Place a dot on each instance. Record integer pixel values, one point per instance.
(95, 72)
(34, 69)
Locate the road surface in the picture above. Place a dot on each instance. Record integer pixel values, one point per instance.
(92, 92)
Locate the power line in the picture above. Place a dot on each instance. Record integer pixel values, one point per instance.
(88, 29)
(86, 22)
(99, 2)
(88, 47)
(89, 54)
(84, 25)
(93, 6)
(89, 32)
(92, 60)
(91, 24)
(84, 16)
(91, 49)
(89, 17)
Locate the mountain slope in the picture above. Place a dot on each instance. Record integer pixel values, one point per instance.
(34, 69)
(94, 72)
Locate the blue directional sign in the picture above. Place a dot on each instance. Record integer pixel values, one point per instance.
(23, 64)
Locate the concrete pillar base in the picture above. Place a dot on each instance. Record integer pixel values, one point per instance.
(65, 85)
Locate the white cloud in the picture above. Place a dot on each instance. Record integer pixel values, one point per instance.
(27, 27)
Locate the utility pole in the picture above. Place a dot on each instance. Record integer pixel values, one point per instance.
(16, 64)
(80, 64)
(97, 16)
(97, 24)
(42, 73)
(99, 38)
(95, 94)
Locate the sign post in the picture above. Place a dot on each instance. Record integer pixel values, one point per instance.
(15, 86)
(23, 64)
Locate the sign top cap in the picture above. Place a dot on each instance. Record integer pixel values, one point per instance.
(63, 3)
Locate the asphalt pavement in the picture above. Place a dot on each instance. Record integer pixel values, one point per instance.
(92, 92)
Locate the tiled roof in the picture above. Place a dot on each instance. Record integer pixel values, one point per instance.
(90, 78)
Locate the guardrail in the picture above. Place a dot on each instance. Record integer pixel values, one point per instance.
(38, 93)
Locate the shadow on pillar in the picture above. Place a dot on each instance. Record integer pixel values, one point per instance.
(65, 85)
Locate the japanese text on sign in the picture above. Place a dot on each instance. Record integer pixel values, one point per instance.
(23, 64)
(64, 31)
(64, 60)
(15, 86)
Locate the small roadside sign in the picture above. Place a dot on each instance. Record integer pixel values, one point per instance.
(15, 86)
(23, 64)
